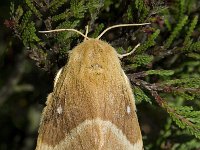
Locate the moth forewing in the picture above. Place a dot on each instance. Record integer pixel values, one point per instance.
(92, 104)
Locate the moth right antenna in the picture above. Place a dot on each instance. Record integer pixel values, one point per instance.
(120, 25)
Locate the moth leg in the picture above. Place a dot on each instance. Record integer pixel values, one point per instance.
(86, 32)
(49, 98)
(57, 77)
(127, 54)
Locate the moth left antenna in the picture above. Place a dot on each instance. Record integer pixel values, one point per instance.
(120, 25)
(60, 30)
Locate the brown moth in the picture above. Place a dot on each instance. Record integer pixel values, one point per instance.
(92, 106)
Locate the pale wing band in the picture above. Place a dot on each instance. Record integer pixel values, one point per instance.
(110, 138)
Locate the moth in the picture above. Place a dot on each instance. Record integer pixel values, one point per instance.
(92, 106)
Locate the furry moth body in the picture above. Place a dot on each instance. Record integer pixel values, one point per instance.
(92, 106)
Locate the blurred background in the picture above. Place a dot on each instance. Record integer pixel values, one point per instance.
(24, 87)
(23, 90)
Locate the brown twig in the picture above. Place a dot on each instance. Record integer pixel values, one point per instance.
(154, 88)
(158, 86)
